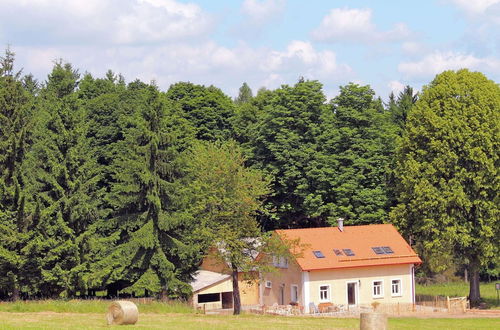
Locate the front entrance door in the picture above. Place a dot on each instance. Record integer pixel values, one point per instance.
(352, 288)
(282, 294)
(227, 300)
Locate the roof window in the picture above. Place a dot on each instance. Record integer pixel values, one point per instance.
(387, 250)
(348, 252)
(319, 254)
(382, 250)
(337, 252)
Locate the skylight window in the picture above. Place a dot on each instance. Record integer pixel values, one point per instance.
(387, 250)
(319, 254)
(382, 250)
(348, 252)
(337, 252)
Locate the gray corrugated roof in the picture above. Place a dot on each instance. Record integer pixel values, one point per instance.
(204, 278)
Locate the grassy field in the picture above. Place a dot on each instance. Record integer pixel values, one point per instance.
(50, 320)
(90, 306)
(460, 289)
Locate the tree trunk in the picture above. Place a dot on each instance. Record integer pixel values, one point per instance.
(236, 292)
(15, 287)
(474, 294)
(15, 292)
(163, 294)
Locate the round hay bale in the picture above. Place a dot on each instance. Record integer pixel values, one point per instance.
(373, 321)
(122, 312)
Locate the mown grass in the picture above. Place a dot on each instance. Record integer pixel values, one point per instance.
(460, 289)
(245, 321)
(90, 306)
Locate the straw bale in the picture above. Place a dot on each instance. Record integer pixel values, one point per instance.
(373, 321)
(122, 312)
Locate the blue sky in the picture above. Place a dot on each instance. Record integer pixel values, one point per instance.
(265, 43)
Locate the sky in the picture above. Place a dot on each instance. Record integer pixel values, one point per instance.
(266, 43)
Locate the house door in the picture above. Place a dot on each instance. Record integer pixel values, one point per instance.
(227, 300)
(282, 295)
(352, 288)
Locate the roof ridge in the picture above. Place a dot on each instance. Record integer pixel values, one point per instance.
(348, 226)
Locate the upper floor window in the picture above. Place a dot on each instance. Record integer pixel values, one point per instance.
(280, 262)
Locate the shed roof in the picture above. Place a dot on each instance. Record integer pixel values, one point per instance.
(205, 278)
(359, 239)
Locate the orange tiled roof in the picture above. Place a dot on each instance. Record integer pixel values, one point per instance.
(360, 239)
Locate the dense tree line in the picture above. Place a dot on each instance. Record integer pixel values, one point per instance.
(108, 185)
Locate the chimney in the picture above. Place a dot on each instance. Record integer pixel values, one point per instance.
(340, 222)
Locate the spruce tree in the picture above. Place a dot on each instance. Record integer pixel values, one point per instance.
(62, 176)
(15, 226)
(154, 251)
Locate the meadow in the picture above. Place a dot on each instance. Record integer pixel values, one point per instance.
(460, 289)
(90, 314)
(51, 320)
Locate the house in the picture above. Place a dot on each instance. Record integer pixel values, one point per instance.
(344, 265)
(213, 287)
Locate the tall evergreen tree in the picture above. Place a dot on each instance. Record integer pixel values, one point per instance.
(15, 227)
(61, 175)
(154, 249)
(245, 94)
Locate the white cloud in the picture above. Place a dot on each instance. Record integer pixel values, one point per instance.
(355, 25)
(96, 21)
(396, 86)
(204, 63)
(413, 48)
(474, 7)
(262, 11)
(158, 20)
(440, 61)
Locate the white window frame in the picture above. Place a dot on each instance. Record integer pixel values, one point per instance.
(400, 293)
(381, 294)
(328, 293)
(296, 287)
(280, 262)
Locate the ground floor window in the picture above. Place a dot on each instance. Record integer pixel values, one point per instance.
(378, 289)
(396, 287)
(324, 292)
(208, 297)
(295, 293)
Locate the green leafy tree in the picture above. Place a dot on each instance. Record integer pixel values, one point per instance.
(154, 247)
(284, 146)
(208, 109)
(447, 167)
(225, 199)
(358, 142)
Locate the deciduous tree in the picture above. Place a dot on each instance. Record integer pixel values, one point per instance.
(447, 167)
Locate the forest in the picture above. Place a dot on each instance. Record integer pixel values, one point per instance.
(122, 187)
